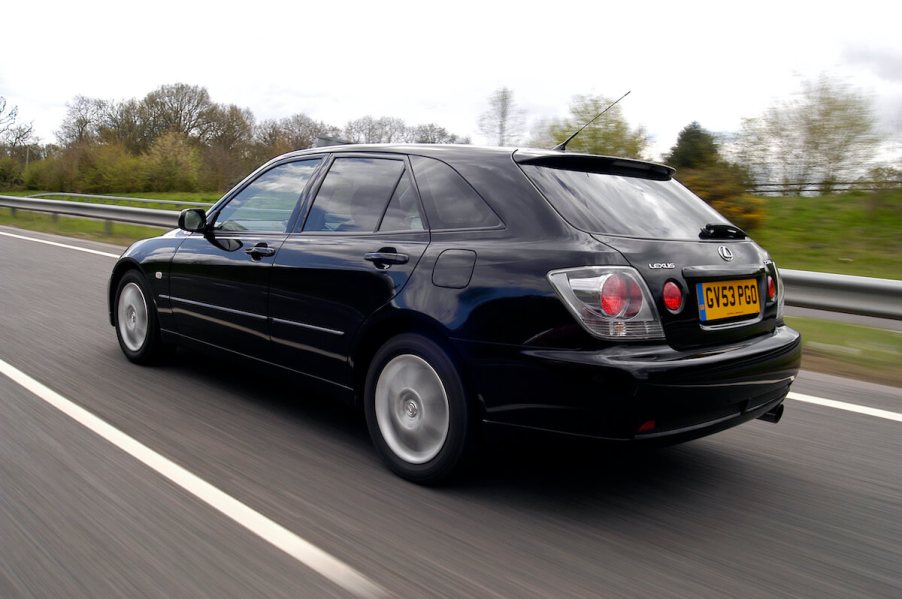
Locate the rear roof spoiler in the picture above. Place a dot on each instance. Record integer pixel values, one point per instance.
(591, 163)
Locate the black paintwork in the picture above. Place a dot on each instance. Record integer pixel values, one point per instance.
(320, 307)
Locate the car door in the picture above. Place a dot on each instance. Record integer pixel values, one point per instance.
(220, 278)
(361, 238)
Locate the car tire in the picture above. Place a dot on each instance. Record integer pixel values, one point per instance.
(417, 411)
(137, 325)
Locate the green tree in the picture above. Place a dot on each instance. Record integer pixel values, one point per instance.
(230, 128)
(12, 133)
(179, 108)
(126, 123)
(83, 121)
(696, 147)
(700, 167)
(368, 130)
(430, 133)
(824, 136)
(228, 154)
(301, 131)
(57, 172)
(172, 164)
(109, 168)
(16, 145)
(10, 171)
(884, 177)
(723, 186)
(175, 138)
(297, 132)
(610, 134)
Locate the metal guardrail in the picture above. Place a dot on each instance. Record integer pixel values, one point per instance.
(815, 187)
(152, 217)
(864, 296)
(59, 194)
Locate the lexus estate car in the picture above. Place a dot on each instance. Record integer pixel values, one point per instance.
(446, 290)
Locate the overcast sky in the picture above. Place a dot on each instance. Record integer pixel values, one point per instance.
(714, 62)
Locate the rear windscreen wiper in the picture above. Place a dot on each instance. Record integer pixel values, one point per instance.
(721, 231)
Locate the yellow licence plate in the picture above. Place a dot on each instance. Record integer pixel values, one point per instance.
(726, 299)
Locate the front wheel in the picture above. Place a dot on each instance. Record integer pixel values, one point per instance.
(137, 327)
(416, 409)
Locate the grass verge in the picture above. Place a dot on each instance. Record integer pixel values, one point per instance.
(850, 350)
(855, 233)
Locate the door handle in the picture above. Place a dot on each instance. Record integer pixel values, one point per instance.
(260, 250)
(383, 259)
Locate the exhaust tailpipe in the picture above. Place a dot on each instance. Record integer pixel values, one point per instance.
(773, 415)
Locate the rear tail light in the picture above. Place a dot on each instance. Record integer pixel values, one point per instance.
(647, 426)
(775, 290)
(673, 297)
(610, 302)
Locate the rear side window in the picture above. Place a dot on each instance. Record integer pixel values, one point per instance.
(623, 205)
(449, 200)
(354, 194)
(402, 213)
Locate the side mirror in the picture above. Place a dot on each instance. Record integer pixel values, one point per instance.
(192, 219)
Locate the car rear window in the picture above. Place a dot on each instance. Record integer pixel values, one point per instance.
(615, 204)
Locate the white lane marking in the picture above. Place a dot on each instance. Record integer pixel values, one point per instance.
(62, 245)
(305, 552)
(841, 405)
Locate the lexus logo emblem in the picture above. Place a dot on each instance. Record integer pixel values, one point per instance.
(725, 253)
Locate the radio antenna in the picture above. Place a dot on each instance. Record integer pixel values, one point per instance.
(563, 146)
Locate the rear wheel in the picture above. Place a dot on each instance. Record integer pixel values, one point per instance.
(137, 327)
(416, 409)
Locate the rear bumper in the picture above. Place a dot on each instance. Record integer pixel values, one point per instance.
(634, 393)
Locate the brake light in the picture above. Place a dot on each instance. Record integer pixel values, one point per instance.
(610, 302)
(635, 295)
(647, 426)
(775, 289)
(613, 295)
(621, 296)
(673, 297)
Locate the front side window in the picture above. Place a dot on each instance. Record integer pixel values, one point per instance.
(354, 195)
(266, 204)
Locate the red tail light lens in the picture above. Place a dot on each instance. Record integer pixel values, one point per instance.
(620, 296)
(673, 297)
(647, 426)
(614, 295)
(775, 290)
(635, 299)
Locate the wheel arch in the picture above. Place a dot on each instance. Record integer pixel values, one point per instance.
(379, 330)
(122, 267)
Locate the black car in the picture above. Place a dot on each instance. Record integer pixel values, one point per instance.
(444, 288)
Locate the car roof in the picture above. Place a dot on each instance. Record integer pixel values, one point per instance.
(452, 152)
(433, 150)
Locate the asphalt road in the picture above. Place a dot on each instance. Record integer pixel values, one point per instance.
(810, 507)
